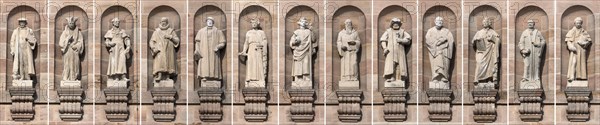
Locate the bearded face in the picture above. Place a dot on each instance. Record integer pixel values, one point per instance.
(439, 24)
(72, 25)
(396, 26)
(578, 24)
(116, 23)
(531, 25)
(22, 24)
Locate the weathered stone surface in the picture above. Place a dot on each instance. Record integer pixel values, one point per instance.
(439, 105)
(255, 109)
(302, 109)
(164, 104)
(395, 104)
(349, 109)
(22, 103)
(578, 99)
(210, 104)
(485, 105)
(531, 105)
(70, 103)
(117, 99)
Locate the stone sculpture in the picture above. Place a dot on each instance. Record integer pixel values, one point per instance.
(393, 42)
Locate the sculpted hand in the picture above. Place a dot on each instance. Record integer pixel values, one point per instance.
(571, 48)
(168, 36)
(344, 48)
(525, 51)
(386, 51)
(197, 55)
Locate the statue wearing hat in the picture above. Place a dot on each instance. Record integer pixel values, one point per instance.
(22, 44)
(209, 44)
(255, 51)
(440, 43)
(348, 47)
(304, 47)
(532, 45)
(578, 42)
(486, 43)
(72, 46)
(163, 45)
(393, 41)
(118, 43)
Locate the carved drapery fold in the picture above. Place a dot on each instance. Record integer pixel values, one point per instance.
(211, 109)
(70, 104)
(439, 105)
(578, 99)
(485, 105)
(395, 104)
(22, 103)
(531, 104)
(349, 109)
(302, 109)
(255, 109)
(117, 108)
(164, 104)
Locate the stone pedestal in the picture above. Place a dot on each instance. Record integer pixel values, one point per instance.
(256, 84)
(395, 104)
(531, 104)
(440, 105)
(256, 99)
(485, 105)
(394, 84)
(117, 83)
(70, 97)
(210, 84)
(164, 103)
(349, 84)
(22, 103)
(210, 104)
(302, 109)
(578, 99)
(349, 109)
(117, 100)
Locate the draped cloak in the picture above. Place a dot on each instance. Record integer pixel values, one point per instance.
(395, 60)
(303, 52)
(165, 59)
(119, 52)
(349, 62)
(440, 55)
(487, 50)
(256, 62)
(22, 43)
(209, 66)
(578, 59)
(71, 53)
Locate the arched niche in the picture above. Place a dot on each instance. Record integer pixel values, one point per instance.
(33, 22)
(154, 18)
(567, 23)
(450, 22)
(266, 24)
(539, 16)
(220, 22)
(60, 24)
(475, 24)
(126, 20)
(359, 23)
(384, 20)
(291, 24)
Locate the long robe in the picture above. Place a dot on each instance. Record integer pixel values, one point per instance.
(71, 53)
(349, 57)
(533, 60)
(303, 52)
(578, 59)
(165, 60)
(487, 50)
(209, 66)
(440, 55)
(22, 50)
(256, 63)
(395, 60)
(119, 52)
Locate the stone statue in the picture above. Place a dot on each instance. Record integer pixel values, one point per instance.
(208, 45)
(348, 46)
(440, 43)
(163, 44)
(72, 46)
(118, 44)
(22, 44)
(532, 45)
(486, 43)
(393, 42)
(255, 50)
(578, 42)
(304, 46)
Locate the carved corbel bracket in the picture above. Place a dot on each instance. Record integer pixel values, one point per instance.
(485, 105)
(302, 109)
(440, 105)
(22, 103)
(117, 104)
(210, 104)
(349, 109)
(256, 99)
(578, 99)
(164, 104)
(395, 104)
(70, 103)
(531, 104)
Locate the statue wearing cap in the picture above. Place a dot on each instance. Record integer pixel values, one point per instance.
(255, 51)
(118, 43)
(486, 43)
(348, 46)
(22, 44)
(393, 42)
(304, 46)
(531, 45)
(440, 43)
(72, 46)
(209, 43)
(578, 42)
(163, 45)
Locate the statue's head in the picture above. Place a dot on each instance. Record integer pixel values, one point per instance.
(71, 22)
(164, 21)
(255, 23)
(303, 22)
(348, 24)
(487, 22)
(578, 22)
(395, 23)
(22, 22)
(210, 21)
(439, 22)
(116, 22)
(530, 24)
